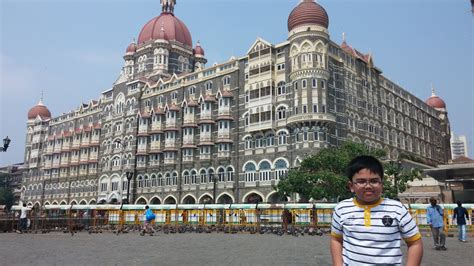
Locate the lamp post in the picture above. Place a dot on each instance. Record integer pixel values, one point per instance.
(129, 178)
(6, 143)
(214, 187)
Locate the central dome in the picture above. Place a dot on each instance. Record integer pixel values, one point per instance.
(165, 27)
(308, 13)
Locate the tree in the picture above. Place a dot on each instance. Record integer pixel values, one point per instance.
(6, 194)
(6, 197)
(323, 175)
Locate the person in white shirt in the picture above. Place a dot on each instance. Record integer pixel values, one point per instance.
(23, 218)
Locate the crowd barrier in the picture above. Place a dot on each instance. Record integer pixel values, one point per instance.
(232, 217)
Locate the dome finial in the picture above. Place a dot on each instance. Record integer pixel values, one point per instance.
(343, 37)
(167, 6)
(41, 98)
(432, 90)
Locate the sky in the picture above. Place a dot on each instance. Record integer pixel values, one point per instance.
(72, 50)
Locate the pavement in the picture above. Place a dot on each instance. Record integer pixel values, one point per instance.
(191, 249)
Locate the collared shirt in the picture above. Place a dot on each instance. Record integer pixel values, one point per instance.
(371, 234)
(434, 216)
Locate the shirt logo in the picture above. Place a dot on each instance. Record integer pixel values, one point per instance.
(387, 220)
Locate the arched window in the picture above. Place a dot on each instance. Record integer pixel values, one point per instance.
(281, 113)
(282, 138)
(264, 169)
(281, 89)
(248, 143)
(270, 140)
(250, 171)
(281, 169)
(221, 174)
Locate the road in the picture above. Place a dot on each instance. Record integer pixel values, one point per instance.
(190, 249)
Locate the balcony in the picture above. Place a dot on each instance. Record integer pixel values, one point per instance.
(143, 130)
(142, 149)
(155, 163)
(269, 124)
(188, 141)
(206, 118)
(188, 158)
(50, 149)
(156, 128)
(302, 118)
(204, 157)
(57, 149)
(170, 161)
(66, 147)
(155, 147)
(171, 123)
(223, 154)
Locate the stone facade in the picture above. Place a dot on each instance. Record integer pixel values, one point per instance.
(187, 133)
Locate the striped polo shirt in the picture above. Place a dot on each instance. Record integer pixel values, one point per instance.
(372, 234)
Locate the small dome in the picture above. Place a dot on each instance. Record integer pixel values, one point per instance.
(165, 27)
(198, 50)
(308, 13)
(41, 110)
(132, 48)
(436, 102)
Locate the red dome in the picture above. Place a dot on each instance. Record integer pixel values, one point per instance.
(198, 50)
(436, 102)
(132, 48)
(174, 30)
(306, 13)
(40, 110)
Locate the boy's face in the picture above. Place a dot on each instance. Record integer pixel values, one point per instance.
(367, 186)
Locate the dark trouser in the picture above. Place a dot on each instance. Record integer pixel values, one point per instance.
(439, 236)
(23, 223)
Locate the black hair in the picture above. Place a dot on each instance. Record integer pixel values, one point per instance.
(147, 207)
(364, 162)
(24, 204)
(459, 203)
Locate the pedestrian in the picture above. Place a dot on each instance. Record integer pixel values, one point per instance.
(461, 215)
(149, 217)
(368, 229)
(23, 219)
(435, 218)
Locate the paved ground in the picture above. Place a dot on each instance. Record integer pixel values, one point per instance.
(189, 249)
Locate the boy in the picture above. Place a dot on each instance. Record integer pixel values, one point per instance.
(367, 229)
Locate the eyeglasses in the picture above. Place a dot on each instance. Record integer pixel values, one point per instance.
(363, 182)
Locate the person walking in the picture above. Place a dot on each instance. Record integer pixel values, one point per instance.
(368, 229)
(23, 219)
(461, 215)
(435, 219)
(149, 217)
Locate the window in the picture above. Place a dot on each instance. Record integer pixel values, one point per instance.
(226, 81)
(191, 90)
(314, 83)
(281, 113)
(282, 137)
(281, 89)
(315, 108)
(304, 84)
(270, 140)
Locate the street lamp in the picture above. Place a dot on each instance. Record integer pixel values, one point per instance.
(214, 187)
(129, 178)
(6, 143)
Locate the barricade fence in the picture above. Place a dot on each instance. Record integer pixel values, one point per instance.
(224, 217)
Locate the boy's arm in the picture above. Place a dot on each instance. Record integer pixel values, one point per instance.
(415, 253)
(336, 250)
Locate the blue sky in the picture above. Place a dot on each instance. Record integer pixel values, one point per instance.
(72, 49)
